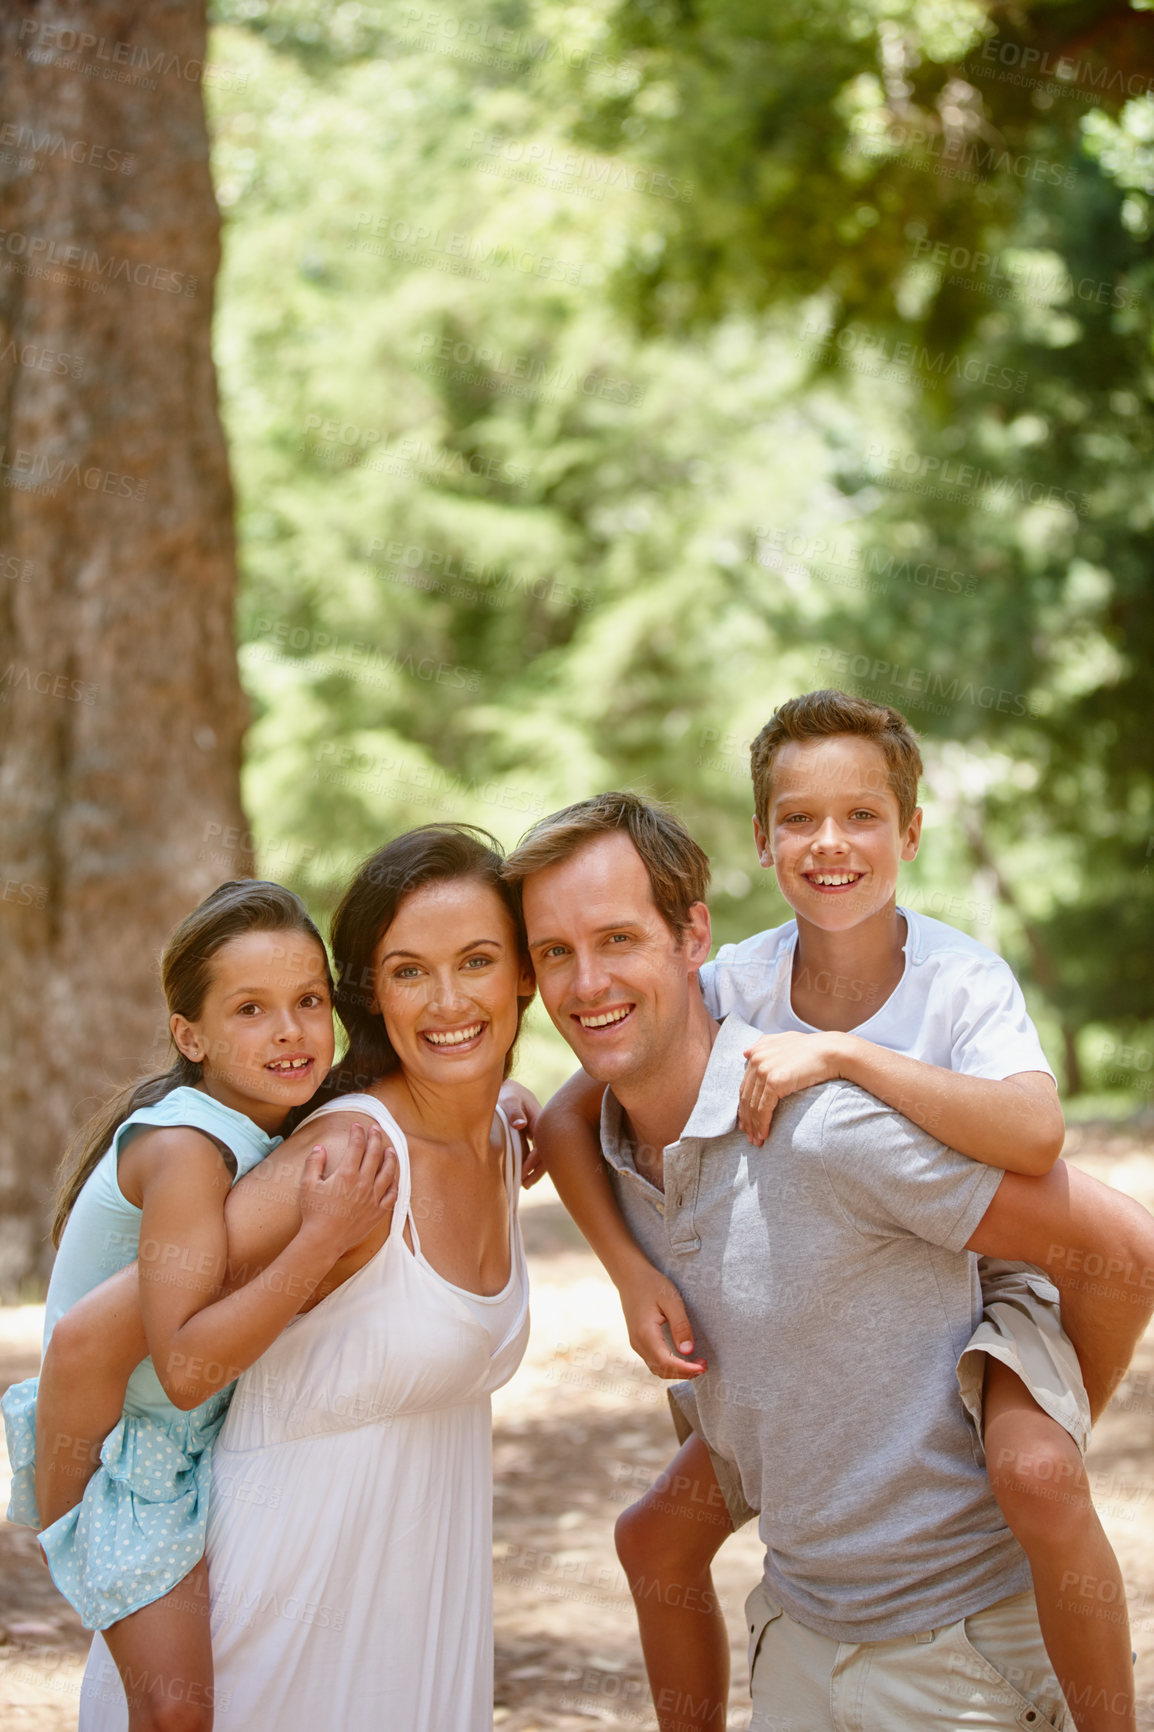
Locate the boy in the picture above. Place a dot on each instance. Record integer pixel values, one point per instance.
(934, 1025)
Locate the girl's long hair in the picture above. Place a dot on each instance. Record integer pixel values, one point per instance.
(431, 854)
(242, 905)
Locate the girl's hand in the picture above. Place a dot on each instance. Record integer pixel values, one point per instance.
(522, 1109)
(780, 1065)
(651, 1304)
(345, 1200)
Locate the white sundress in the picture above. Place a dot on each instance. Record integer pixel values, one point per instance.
(350, 1525)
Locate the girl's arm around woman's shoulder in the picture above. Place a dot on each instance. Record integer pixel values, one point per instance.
(200, 1341)
(268, 1207)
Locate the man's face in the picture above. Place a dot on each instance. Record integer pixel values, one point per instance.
(613, 977)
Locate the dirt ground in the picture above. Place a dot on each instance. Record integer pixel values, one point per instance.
(580, 1431)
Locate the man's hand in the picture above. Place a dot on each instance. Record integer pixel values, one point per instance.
(780, 1065)
(522, 1109)
(649, 1300)
(345, 1202)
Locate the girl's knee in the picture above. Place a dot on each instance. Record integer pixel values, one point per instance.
(163, 1711)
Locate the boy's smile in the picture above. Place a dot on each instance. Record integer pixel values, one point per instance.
(835, 838)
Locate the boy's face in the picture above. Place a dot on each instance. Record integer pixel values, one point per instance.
(835, 836)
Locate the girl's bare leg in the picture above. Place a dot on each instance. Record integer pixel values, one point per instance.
(164, 1656)
(93, 1352)
(1039, 1479)
(667, 1542)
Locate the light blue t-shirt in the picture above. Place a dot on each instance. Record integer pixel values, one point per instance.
(103, 1230)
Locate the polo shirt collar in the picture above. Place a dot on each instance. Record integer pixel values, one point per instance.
(715, 1110)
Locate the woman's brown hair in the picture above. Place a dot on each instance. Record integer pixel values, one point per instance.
(242, 905)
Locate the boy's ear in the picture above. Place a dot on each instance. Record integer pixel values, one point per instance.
(185, 1039)
(761, 843)
(912, 837)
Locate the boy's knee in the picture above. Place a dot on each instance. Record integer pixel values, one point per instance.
(634, 1537)
(1042, 1487)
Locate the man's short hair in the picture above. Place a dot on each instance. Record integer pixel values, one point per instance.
(817, 716)
(678, 869)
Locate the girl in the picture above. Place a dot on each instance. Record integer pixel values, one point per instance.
(248, 990)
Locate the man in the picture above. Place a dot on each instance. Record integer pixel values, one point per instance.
(829, 1285)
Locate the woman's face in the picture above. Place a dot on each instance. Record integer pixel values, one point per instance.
(446, 978)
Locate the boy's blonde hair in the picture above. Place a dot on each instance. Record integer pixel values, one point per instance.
(817, 716)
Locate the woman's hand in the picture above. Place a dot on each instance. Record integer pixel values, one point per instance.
(521, 1107)
(342, 1202)
(651, 1304)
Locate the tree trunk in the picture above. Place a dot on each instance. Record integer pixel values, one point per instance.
(121, 713)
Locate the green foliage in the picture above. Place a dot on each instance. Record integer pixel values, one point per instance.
(599, 376)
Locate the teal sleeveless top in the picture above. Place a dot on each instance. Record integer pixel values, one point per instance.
(103, 1231)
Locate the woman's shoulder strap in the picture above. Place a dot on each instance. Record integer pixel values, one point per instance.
(367, 1104)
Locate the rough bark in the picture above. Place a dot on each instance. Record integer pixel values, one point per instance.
(120, 708)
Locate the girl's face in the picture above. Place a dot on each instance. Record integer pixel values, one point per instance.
(265, 1031)
(447, 975)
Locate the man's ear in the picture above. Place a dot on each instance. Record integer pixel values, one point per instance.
(526, 980)
(761, 843)
(697, 936)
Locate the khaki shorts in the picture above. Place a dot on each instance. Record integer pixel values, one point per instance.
(1021, 1325)
(986, 1671)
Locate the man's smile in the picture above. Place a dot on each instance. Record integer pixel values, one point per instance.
(604, 1018)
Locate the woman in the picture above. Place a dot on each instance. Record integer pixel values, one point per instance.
(349, 1544)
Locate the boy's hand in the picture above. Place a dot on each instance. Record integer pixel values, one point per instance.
(650, 1300)
(780, 1065)
(522, 1109)
(346, 1199)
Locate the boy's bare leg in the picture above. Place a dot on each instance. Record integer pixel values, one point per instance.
(667, 1542)
(1039, 1479)
(93, 1352)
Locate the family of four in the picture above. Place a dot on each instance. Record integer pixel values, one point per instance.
(258, 1453)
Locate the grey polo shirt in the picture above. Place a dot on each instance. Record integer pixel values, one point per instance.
(828, 1286)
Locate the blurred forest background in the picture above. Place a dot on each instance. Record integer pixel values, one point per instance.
(599, 375)
(595, 377)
